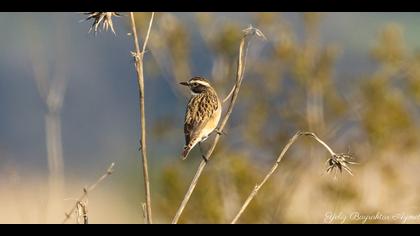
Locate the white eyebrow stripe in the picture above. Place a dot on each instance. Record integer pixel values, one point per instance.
(201, 82)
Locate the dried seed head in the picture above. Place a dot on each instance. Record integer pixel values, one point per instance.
(340, 162)
(104, 18)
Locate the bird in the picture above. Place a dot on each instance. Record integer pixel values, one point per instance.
(202, 114)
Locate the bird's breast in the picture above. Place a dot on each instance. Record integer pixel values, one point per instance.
(213, 121)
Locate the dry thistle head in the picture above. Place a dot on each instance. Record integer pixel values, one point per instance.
(340, 162)
(104, 18)
(336, 161)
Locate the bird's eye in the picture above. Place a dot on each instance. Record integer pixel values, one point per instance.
(195, 84)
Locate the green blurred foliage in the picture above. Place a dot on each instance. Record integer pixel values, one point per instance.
(387, 116)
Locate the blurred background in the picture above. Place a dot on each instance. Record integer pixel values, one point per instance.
(69, 108)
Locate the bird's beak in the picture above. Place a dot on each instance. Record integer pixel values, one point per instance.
(184, 83)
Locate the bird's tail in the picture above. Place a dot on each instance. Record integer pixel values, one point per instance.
(185, 152)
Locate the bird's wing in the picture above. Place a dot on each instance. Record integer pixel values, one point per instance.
(199, 110)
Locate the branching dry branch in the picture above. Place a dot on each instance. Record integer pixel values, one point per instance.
(339, 161)
(243, 49)
(138, 56)
(86, 191)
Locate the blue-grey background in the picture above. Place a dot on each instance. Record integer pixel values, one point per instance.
(101, 97)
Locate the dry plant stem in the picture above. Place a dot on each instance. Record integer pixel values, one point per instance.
(243, 48)
(82, 212)
(87, 190)
(273, 169)
(229, 95)
(138, 55)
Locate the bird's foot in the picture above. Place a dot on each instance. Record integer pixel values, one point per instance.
(219, 132)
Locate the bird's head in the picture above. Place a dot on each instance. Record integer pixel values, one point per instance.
(197, 85)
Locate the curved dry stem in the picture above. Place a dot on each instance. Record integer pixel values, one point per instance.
(229, 95)
(138, 56)
(243, 49)
(338, 161)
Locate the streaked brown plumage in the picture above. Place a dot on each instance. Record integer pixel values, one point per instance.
(202, 114)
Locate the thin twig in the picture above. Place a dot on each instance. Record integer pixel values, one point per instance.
(87, 190)
(138, 55)
(336, 161)
(229, 95)
(243, 49)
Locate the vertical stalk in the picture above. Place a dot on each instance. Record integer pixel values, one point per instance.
(138, 55)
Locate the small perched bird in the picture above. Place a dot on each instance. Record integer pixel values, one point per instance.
(202, 115)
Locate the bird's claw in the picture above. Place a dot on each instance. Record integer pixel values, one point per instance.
(220, 132)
